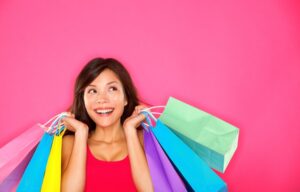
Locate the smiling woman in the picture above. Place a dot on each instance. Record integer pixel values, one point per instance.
(106, 87)
(105, 153)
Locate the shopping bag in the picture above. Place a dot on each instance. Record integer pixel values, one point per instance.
(32, 178)
(164, 177)
(52, 178)
(191, 167)
(214, 140)
(14, 152)
(12, 180)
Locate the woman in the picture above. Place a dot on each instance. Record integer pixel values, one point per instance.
(105, 153)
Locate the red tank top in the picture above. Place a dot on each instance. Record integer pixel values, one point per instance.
(108, 176)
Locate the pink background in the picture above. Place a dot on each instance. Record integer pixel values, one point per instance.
(238, 60)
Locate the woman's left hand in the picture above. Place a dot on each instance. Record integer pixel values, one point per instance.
(135, 120)
(138, 161)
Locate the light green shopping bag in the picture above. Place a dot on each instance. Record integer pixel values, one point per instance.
(214, 140)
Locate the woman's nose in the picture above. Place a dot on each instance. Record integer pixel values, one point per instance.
(101, 97)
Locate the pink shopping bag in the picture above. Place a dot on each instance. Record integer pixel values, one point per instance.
(14, 152)
(11, 182)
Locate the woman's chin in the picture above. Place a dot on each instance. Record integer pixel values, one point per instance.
(104, 124)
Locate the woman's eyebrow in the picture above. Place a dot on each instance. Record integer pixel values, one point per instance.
(112, 82)
(106, 84)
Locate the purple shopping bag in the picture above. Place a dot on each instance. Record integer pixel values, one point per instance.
(164, 177)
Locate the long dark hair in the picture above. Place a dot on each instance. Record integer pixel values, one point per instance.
(90, 72)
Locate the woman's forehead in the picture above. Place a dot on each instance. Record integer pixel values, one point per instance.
(106, 77)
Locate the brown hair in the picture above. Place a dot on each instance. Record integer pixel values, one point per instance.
(90, 72)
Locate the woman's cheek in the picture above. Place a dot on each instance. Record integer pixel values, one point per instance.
(115, 97)
(88, 101)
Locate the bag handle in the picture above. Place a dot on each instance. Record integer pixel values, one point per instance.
(149, 112)
(55, 127)
(149, 116)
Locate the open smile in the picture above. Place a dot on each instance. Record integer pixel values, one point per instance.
(104, 111)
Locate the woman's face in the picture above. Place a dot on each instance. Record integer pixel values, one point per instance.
(105, 99)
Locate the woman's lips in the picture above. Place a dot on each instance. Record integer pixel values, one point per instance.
(104, 111)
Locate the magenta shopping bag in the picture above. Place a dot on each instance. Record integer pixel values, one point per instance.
(14, 152)
(164, 177)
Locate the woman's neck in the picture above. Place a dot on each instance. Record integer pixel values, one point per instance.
(109, 134)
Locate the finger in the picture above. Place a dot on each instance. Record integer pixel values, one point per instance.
(139, 108)
(135, 112)
(69, 122)
(68, 126)
(140, 118)
(69, 114)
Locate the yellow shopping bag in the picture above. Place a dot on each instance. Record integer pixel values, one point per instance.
(52, 177)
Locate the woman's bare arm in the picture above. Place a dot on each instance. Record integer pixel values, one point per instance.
(74, 157)
(139, 166)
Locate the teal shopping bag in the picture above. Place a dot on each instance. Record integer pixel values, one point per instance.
(33, 176)
(191, 167)
(213, 139)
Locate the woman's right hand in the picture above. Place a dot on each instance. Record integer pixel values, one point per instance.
(74, 125)
(73, 157)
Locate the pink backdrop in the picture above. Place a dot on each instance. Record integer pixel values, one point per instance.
(238, 60)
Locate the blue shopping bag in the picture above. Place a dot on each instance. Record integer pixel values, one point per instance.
(197, 174)
(33, 176)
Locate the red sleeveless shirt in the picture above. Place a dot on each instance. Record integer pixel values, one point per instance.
(108, 176)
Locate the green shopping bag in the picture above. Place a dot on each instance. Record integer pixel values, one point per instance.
(214, 140)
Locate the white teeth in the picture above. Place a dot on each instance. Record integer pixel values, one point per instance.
(104, 111)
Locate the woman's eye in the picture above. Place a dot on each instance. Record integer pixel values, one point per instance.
(92, 91)
(113, 89)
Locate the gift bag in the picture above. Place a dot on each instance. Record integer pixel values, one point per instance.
(190, 166)
(14, 152)
(164, 177)
(214, 140)
(12, 180)
(52, 178)
(32, 178)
